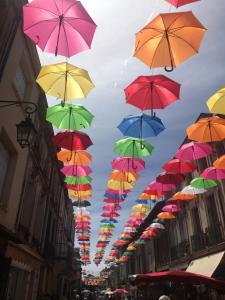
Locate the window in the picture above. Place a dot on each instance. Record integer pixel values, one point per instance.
(20, 82)
(4, 162)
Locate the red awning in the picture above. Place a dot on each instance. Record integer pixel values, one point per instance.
(180, 277)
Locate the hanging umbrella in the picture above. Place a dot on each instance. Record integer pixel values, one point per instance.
(210, 129)
(140, 201)
(128, 164)
(220, 162)
(166, 215)
(179, 167)
(169, 39)
(213, 173)
(76, 170)
(201, 183)
(157, 226)
(123, 176)
(117, 201)
(68, 116)
(118, 185)
(110, 220)
(80, 195)
(120, 291)
(152, 92)
(161, 186)
(170, 178)
(63, 28)
(181, 196)
(133, 147)
(141, 126)
(110, 215)
(160, 221)
(112, 207)
(141, 208)
(78, 180)
(138, 215)
(178, 3)
(81, 203)
(216, 103)
(107, 225)
(79, 187)
(192, 191)
(80, 157)
(72, 140)
(172, 208)
(193, 151)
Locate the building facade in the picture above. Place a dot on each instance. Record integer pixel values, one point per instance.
(36, 215)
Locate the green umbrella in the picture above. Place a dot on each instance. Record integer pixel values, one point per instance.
(133, 147)
(127, 253)
(107, 225)
(140, 242)
(78, 180)
(84, 203)
(201, 183)
(69, 116)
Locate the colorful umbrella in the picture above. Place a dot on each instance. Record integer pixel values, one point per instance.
(123, 176)
(166, 215)
(152, 92)
(79, 187)
(201, 183)
(80, 195)
(192, 191)
(128, 164)
(141, 126)
(79, 157)
(120, 291)
(213, 173)
(210, 129)
(178, 3)
(110, 220)
(220, 162)
(193, 151)
(138, 215)
(72, 140)
(141, 208)
(171, 208)
(169, 40)
(181, 196)
(179, 167)
(170, 178)
(112, 207)
(68, 116)
(216, 103)
(133, 147)
(157, 226)
(140, 201)
(64, 29)
(81, 203)
(76, 170)
(78, 180)
(118, 185)
(110, 215)
(113, 200)
(161, 187)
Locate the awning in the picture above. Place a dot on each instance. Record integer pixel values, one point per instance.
(205, 265)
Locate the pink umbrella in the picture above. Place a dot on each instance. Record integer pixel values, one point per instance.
(109, 191)
(76, 170)
(193, 151)
(112, 207)
(171, 208)
(213, 173)
(126, 164)
(161, 187)
(135, 222)
(62, 27)
(110, 214)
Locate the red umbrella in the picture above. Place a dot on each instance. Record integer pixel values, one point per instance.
(178, 3)
(126, 164)
(110, 215)
(113, 200)
(72, 140)
(170, 178)
(112, 207)
(152, 92)
(161, 186)
(79, 187)
(152, 192)
(120, 291)
(179, 167)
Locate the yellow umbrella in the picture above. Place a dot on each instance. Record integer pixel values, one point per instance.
(81, 195)
(216, 103)
(169, 39)
(118, 185)
(65, 81)
(141, 208)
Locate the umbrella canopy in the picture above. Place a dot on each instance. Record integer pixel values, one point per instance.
(80, 157)
(120, 291)
(179, 167)
(79, 187)
(210, 129)
(190, 190)
(138, 215)
(141, 126)
(110, 220)
(193, 151)
(169, 39)
(161, 186)
(171, 208)
(178, 3)
(118, 185)
(201, 183)
(166, 215)
(140, 201)
(81, 203)
(110, 215)
(68, 116)
(78, 180)
(133, 147)
(127, 164)
(181, 196)
(220, 162)
(213, 173)
(170, 178)
(157, 226)
(216, 103)
(76, 170)
(112, 207)
(72, 140)
(123, 176)
(152, 92)
(80, 195)
(141, 208)
(64, 29)
(66, 82)
(109, 200)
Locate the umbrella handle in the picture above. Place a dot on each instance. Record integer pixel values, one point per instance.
(169, 69)
(133, 166)
(71, 155)
(142, 146)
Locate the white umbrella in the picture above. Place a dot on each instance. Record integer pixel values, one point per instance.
(190, 190)
(157, 225)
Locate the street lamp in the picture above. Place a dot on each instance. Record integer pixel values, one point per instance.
(25, 129)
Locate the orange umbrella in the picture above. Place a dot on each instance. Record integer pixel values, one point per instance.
(138, 215)
(123, 176)
(220, 162)
(145, 196)
(180, 196)
(75, 157)
(210, 129)
(169, 39)
(165, 215)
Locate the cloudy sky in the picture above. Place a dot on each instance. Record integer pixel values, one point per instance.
(112, 67)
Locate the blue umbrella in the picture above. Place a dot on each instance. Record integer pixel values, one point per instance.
(115, 196)
(83, 231)
(141, 126)
(110, 220)
(140, 201)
